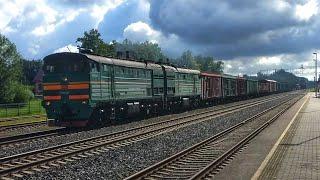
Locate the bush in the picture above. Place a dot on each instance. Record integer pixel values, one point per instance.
(7, 93)
(22, 94)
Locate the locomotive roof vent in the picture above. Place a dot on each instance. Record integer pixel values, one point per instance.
(85, 51)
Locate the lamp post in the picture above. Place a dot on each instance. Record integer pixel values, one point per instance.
(316, 75)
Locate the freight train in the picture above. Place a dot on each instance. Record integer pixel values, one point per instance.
(81, 89)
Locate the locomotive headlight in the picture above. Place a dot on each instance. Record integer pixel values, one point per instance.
(48, 103)
(65, 79)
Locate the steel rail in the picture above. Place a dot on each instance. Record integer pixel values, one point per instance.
(30, 136)
(220, 160)
(48, 133)
(37, 157)
(152, 170)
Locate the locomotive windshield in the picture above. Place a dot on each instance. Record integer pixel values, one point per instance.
(65, 66)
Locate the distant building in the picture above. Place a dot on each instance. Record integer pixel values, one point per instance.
(37, 80)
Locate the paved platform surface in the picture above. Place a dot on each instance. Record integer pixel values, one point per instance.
(297, 156)
(246, 163)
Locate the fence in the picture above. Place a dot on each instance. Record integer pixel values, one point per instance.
(19, 109)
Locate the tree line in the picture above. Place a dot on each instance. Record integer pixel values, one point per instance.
(146, 51)
(17, 73)
(290, 79)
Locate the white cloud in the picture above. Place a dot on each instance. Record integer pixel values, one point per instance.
(140, 31)
(171, 44)
(49, 24)
(43, 30)
(54, 19)
(8, 10)
(8, 29)
(270, 60)
(281, 5)
(67, 48)
(306, 11)
(98, 11)
(228, 66)
(267, 64)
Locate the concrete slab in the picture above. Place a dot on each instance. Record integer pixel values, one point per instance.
(298, 154)
(246, 163)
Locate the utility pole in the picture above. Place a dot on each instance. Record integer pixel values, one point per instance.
(316, 75)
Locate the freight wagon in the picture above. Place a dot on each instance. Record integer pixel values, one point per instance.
(241, 87)
(211, 84)
(252, 87)
(229, 86)
(282, 86)
(267, 86)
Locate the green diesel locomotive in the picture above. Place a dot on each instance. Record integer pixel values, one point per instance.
(83, 89)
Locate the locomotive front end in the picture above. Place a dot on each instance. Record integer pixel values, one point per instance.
(66, 90)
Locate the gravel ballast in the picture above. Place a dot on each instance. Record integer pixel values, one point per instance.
(57, 140)
(122, 162)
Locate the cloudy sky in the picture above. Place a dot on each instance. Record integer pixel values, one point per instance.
(248, 35)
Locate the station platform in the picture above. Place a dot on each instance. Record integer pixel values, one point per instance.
(288, 149)
(296, 155)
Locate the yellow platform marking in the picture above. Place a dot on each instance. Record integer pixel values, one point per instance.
(267, 159)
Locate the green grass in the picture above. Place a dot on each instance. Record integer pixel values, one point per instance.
(30, 108)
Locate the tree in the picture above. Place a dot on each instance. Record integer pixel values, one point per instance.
(92, 40)
(199, 62)
(142, 51)
(10, 70)
(207, 63)
(30, 70)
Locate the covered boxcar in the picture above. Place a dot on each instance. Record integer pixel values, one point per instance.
(211, 87)
(252, 87)
(241, 86)
(273, 86)
(229, 86)
(267, 86)
(282, 86)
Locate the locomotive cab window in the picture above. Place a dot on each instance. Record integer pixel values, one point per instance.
(64, 66)
(49, 68)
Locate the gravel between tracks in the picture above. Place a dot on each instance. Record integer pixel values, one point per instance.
(33, 145)
(121, 162)
(23, 130)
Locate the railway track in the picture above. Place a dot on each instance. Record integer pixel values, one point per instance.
(9, 140)
(16, 118)
(205, 159)
(42, 135)
(27, 163)
(23, 125)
